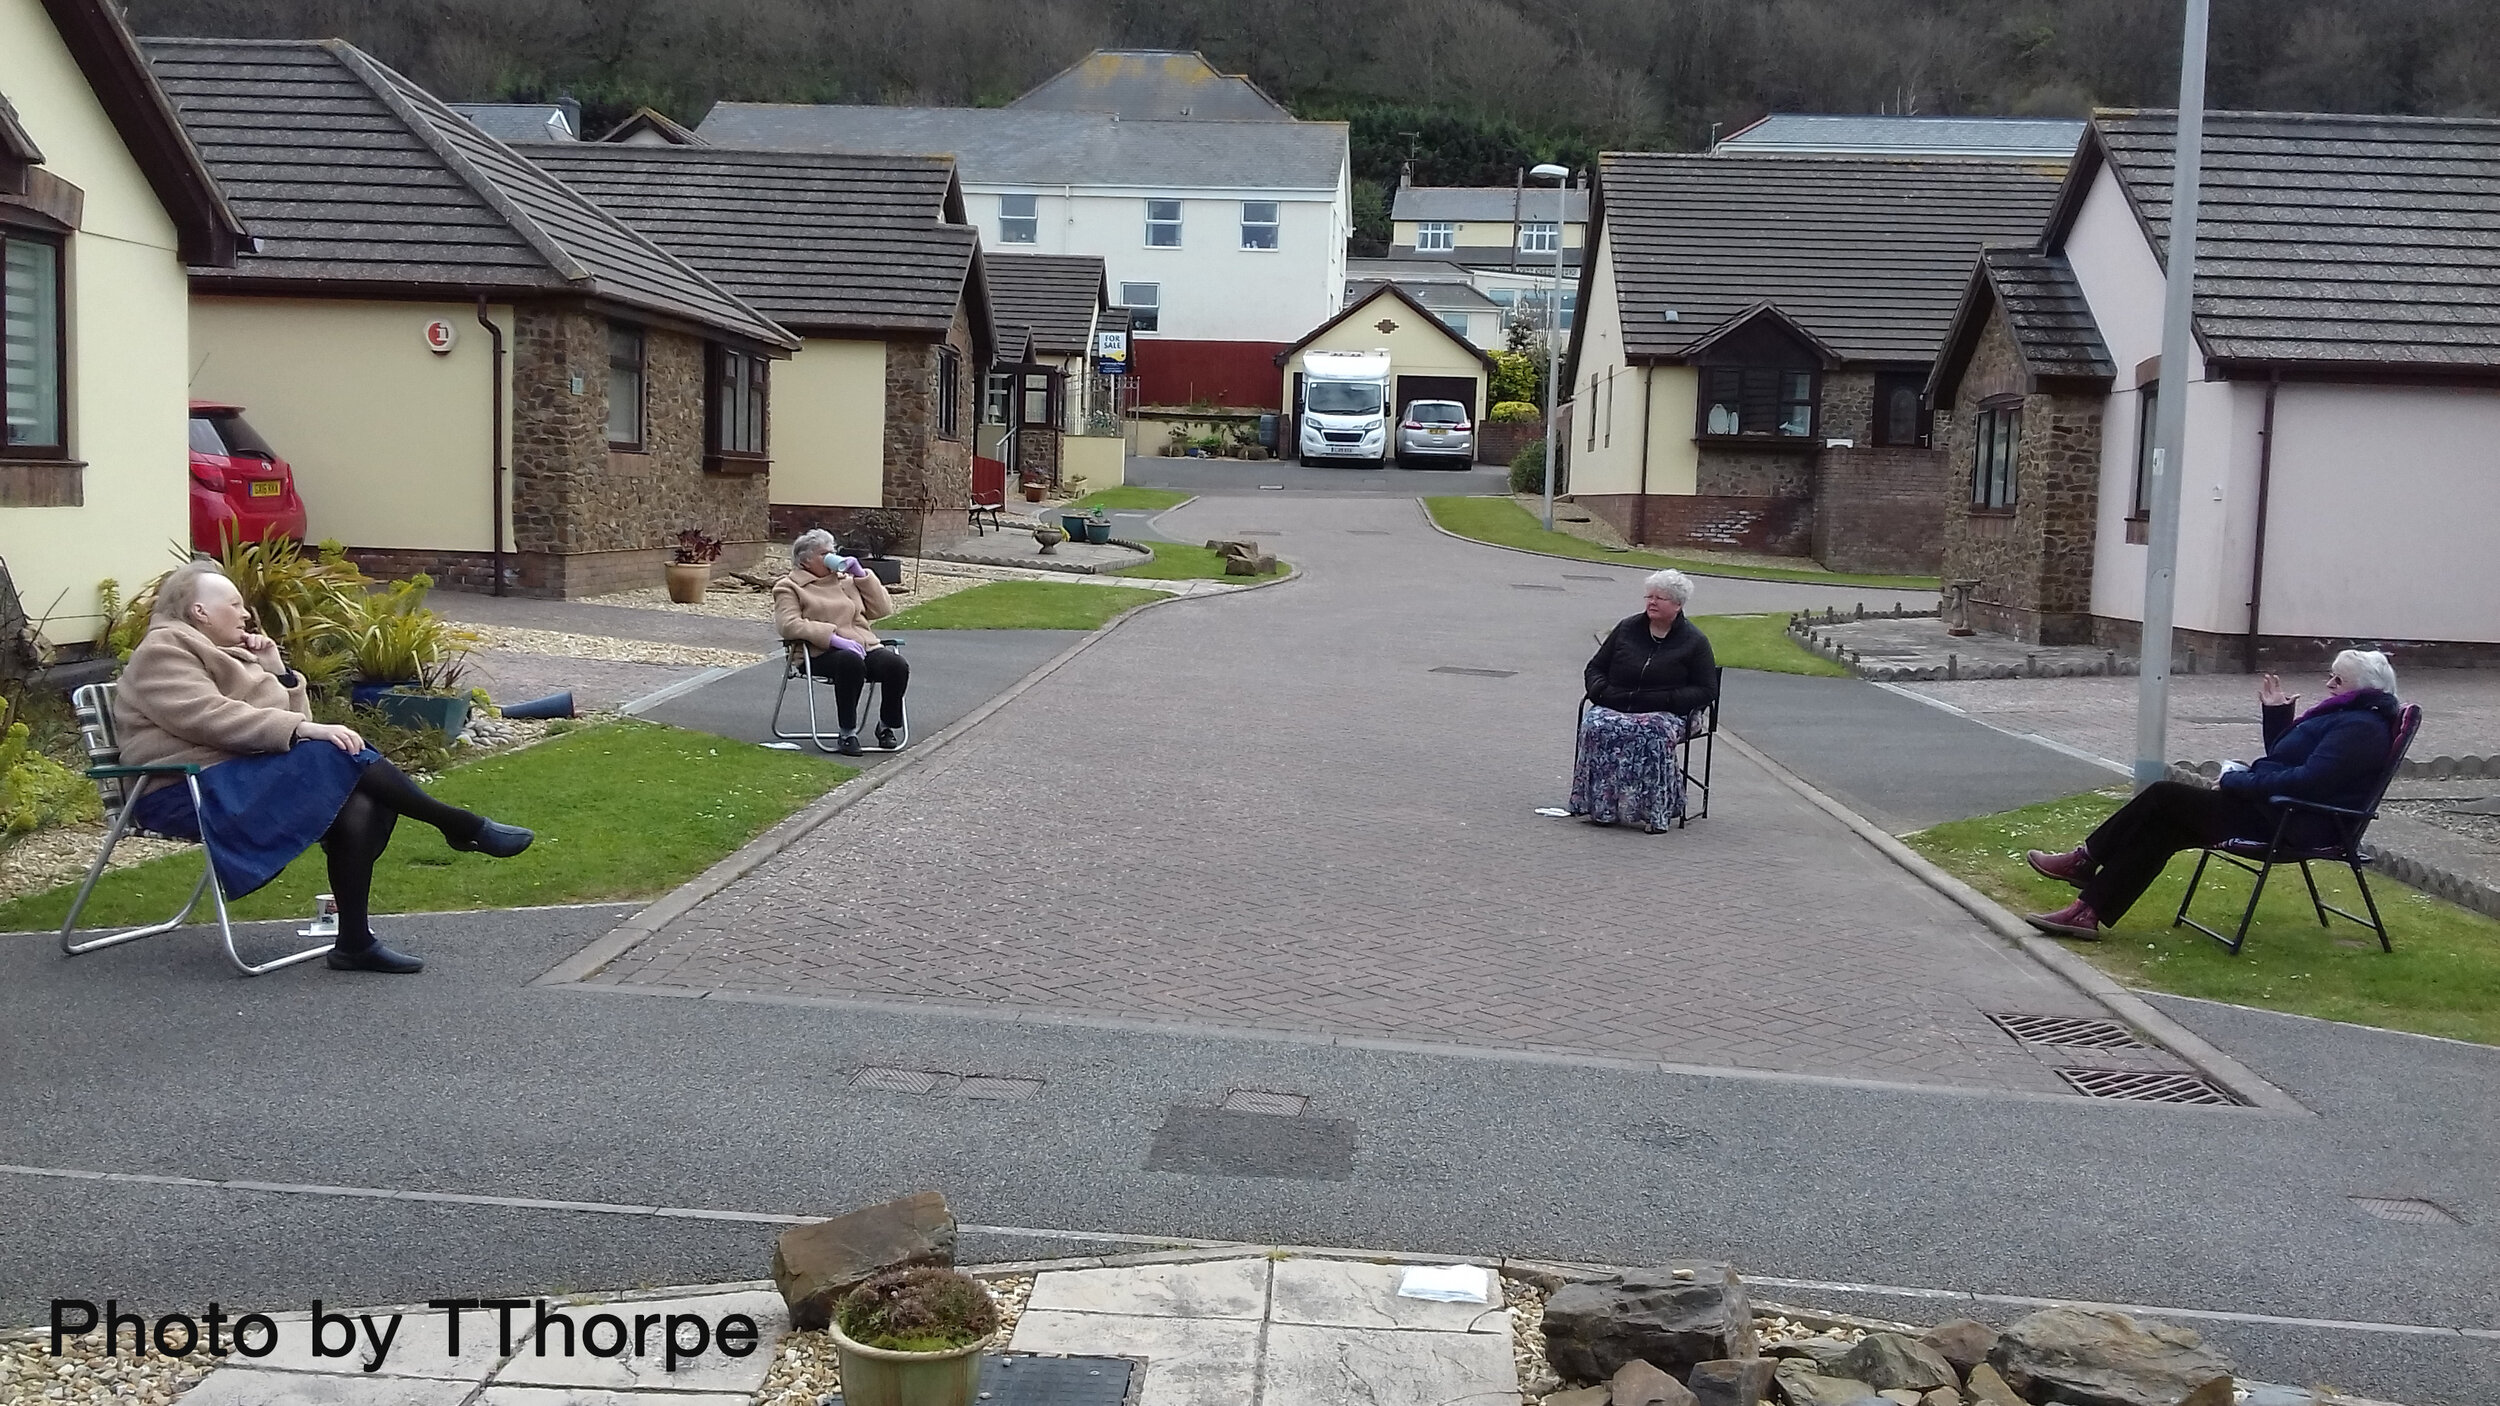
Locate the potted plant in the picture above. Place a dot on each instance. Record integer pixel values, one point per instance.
(1176, 442)
(1097, 527)
(913, 1337)
(875, 530)
(408, 659)
(1073, 521)
(1050, 537)
(1034, 488)
(690, 565)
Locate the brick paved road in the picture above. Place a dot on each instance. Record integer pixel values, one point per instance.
(1267, 811)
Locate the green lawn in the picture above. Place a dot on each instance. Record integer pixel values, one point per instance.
(2442, 979)
(626, 810)
(1762, 642)
(1127, 498)
(1504, 523)
(1184, 561)
(1022, 605)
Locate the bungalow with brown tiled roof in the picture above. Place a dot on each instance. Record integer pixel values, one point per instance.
(475, 370)
(1044, 403)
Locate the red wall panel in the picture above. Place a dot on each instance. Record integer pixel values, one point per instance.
(1240, 375)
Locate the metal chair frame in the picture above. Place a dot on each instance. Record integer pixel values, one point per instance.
(1707, 735)
(798, 660)
(120, 785)
(2349, 826)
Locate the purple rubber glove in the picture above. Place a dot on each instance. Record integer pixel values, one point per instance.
(854, 646)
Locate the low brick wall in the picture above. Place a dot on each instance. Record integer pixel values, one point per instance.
(1877, 509)
(1710, 521)
(1499, 444)
(544, 574)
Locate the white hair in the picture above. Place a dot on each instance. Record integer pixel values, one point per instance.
(2366, 668)
(815, 541)
(180, 590)
(1674, 585)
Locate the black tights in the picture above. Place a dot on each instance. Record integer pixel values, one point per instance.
(850, 674)
(363, 830)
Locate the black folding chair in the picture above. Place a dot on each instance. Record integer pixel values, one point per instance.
(2259, 857)
(1706, 735)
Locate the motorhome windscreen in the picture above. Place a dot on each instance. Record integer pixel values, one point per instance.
(1341, 398)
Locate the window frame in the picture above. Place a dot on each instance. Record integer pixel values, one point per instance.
(998, 389)
(1546, 233)
(731, 375)
(1888, 386)
(1436, 236)
(1996, 455)
(57, 449)
(641, 369)
(1174, 223)
(1750, 395)
(1153, 320)
(1031, 219)
(1274, 224)
(950, 409)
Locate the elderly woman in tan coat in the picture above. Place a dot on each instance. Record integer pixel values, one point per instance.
(204, 688)
(826, 603)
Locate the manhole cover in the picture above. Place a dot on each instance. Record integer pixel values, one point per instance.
(1218, 1142)
(2408, 1209)
(1532, 586)
(997, 1086)
(2073, 1032)
(1260, 1101)
(2145, 1086)
(1474, 673)
(899, 1081)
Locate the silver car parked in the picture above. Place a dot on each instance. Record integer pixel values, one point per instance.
(1436, 429)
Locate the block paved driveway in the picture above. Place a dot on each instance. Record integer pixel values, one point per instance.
(1269, 811)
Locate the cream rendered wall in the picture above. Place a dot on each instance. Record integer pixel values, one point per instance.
(128, 311)
(1102, 459)
(391, 442)
(1610, 392)
(1421, 346)
(2380, 516)
(827, 425)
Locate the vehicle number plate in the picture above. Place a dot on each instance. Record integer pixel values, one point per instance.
(1440, 432)
(267, 488)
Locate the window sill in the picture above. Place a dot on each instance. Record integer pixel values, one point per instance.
(1976, 510)
(1798, 444)
(42, 483)
(737, 465)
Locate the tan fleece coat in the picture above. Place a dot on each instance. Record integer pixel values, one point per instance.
(817, 608)
(183, 699)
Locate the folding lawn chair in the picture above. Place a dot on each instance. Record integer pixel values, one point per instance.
(798, 663)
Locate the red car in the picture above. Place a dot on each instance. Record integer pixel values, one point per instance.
(241, 491)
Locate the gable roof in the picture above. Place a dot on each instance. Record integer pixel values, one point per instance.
(1868, 254)
(816, 241)
(1489, 204)
(520, 122)
(1833, 134)
(1390, 290)
(1152, 85)
(1023, 146)
(108, 57)
(354, 178)
(1057, 295)
(1440, 296)
(2323, 241)
(1764, 313)
(2045, 313)
(652, 124)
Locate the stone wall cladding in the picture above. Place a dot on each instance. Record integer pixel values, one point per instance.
(2034, 566)
(923, 467)
(1875, 510)
(1782, 526)
(1848, 408)
(1037, 452)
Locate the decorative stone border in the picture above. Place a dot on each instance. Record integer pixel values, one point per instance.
(1807, 628)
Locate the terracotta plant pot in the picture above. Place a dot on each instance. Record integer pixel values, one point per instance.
(688, 580)
(1033, 492)
(872, 1376)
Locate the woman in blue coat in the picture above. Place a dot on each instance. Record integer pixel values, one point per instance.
(2335, 754)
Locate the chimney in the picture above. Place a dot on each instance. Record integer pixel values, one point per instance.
(572, 109)
(1406, 173)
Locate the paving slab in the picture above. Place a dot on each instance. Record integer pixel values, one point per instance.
(711, 1371)
(238, 1386)
(1307, 1366)
(420, 1347)
(1358, 1294)
(595, 1396)
(1225, 1289)
(1189, 1362)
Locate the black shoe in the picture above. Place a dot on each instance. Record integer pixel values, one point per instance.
(848, 745)
(374, 957)
(495, 840)
(885, 739)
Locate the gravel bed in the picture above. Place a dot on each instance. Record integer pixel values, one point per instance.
(557, 644)
(738, 604)
(2483, 830)
(806, 1370)
(1536, 1376)
(82, 1374)
(49, 858)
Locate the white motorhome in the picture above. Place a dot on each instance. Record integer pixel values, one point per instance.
(1344, 411)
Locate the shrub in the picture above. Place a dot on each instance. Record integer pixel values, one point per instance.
(1519, 376)
(1513, 412)
(1527, 470)
(695, 546)
(876, 529)
(392, 636)
(37, 792)
(918, 1310)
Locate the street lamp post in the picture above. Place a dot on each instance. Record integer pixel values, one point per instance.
(1548, 171)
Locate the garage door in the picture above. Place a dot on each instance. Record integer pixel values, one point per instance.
(1459, 388)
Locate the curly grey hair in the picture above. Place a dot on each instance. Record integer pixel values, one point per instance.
(815, 541)
(2366, 668)
(1674, 585)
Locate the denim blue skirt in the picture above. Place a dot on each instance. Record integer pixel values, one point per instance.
(262, 811)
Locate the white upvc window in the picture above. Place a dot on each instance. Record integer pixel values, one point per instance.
(1144, 302)
(1019, 219)
(1258, 224)
(1163, 224)
(1538, 237)
(1435, 237)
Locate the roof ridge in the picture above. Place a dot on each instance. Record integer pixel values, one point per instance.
(385, 82)
(2211, 113)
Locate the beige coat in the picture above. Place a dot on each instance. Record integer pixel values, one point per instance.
(183, 699)
(817, 608)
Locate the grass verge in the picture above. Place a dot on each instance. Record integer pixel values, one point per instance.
(1183, 561)
(1762, 642)
(622, 811)
(1021, 605)
(2442, 979)
(1503, 523)
(1127, 498)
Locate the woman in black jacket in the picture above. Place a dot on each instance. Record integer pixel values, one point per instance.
(1653, 673)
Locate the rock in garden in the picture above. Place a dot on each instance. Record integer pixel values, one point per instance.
(1986, 1388)
(1941, 1396)
(1593, 1328)
(1580, 1396)
(1802, 1386)
(1738, 1382)
(813, 1265)
(1636, 1383)
(1822, 1352)
(1241, 566)
(2109, 1359)
(1892, 1362)
(1961, 1341)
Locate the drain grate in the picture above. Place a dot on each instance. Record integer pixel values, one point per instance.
(898, 1081)
(1261, 1101)
(1475, 673)
(2068, 1031)
(2409, 1209)
(2146, 1086)
(1532, 586)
